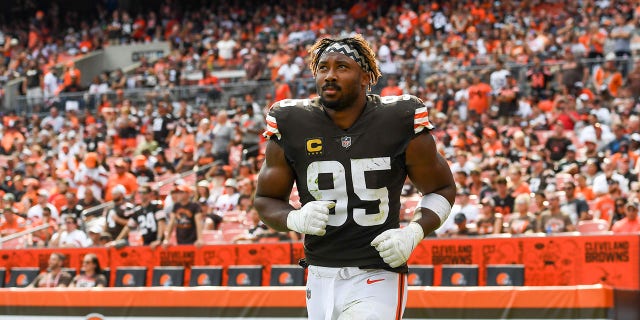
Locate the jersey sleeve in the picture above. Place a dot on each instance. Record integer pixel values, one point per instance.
(281, 113)
(421, 117)
(272, 132)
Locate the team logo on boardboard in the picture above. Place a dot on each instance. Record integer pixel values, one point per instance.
(314, 146)
(94, 316)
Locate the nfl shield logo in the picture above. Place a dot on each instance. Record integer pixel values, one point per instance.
(346, 142)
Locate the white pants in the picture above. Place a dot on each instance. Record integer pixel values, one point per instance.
(352, 293)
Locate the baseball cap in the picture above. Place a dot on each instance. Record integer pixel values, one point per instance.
(633, 204)
(231, 183)
(459, 218)
(203, 183)
(635, 137)
(43, 193)
(9, 197)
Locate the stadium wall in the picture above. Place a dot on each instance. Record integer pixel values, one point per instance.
(548, 260)
(569, 302)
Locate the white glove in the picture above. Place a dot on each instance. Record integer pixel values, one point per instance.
(395, 245)
(312, 218)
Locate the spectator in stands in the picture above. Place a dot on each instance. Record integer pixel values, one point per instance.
(255, 228)
(557, 144)
(42, 202)
(70, 236)
(149, 217)
(504, 201)
(32, 85)
(489, 221)
(118, 216)
(121, 177)
(251, 127)
(228, 200)
(392, 88)
(223, 132)
(628, 224)
(186, 219)
(54, 276)
(462, 227)
(91, 275)
(10, 223)
(522, 221)
(255, 66)
(555, 220)
(282, 90)
(575, 207)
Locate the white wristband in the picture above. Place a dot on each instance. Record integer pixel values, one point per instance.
(438, 204)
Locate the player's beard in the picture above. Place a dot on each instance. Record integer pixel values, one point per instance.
(342, 101)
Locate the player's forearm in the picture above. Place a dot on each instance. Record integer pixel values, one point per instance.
(273, 212)
(428, 218)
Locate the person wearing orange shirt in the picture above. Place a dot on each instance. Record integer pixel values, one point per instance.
(479, 98)
(122, 177)
(282, 90)
(10, 137)
(392, 88)
(607, 79)
(628, 224)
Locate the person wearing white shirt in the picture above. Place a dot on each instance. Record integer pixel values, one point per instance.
(50, 82)
(43, 201)
(463, 204)
(498, 78)
(70, 237)
(226, 46)
(601, 181)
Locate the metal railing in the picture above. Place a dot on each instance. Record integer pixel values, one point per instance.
(23, 233)
(157, 185)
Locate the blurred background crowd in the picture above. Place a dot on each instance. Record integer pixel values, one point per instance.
(535, 105)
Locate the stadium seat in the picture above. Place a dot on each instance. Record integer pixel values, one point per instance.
(71, 271)
(244, 276)
(286, 275)
(167, 276)
(505, 275)
(3, 274)
(131, 276)
(595, 226)
(459, 275)
(107, 274)
(420, 275)
(205, 276)
(22, 276)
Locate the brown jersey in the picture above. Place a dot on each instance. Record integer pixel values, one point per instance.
(361, 168)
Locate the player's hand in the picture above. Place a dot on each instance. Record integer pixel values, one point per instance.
(395, 245)
(312, 218)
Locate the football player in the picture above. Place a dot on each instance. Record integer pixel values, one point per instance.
(349, 154)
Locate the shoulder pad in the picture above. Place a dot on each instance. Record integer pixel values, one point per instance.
(284, 106)
(409, 103)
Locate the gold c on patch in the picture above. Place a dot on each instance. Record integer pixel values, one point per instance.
(314, 146)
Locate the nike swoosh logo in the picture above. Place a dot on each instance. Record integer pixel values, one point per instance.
(369, 281)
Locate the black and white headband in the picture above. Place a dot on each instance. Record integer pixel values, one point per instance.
(350, 52)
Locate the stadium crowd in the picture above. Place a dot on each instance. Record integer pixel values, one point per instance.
(535, 105)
